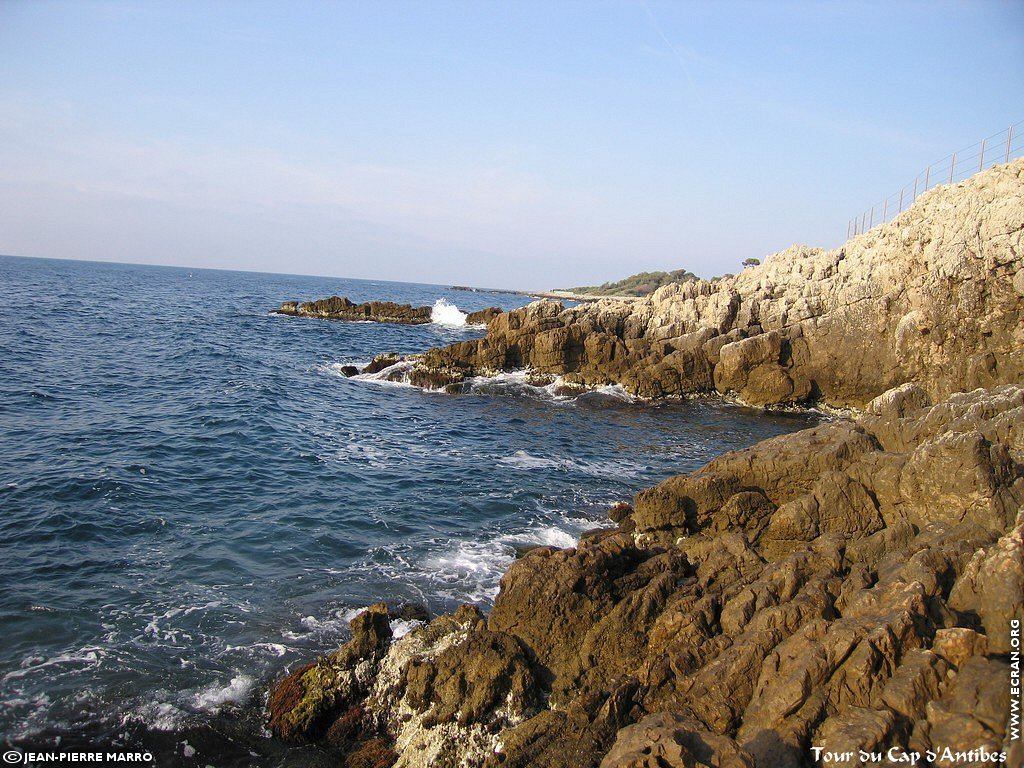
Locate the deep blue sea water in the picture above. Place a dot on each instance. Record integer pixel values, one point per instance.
(193, 498)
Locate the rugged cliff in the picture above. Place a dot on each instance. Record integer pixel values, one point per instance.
(936, 298)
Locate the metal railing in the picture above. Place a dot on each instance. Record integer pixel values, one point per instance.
(993, 150)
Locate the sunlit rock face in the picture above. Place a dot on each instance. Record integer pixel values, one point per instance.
(936, 298)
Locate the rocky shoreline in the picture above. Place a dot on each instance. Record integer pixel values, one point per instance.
(340, 308)
(934, 298)
(849, 587)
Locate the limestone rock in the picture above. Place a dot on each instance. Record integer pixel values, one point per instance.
(849, 586)
(930, 301)
(339, 308)
(991, 590)
(483, 316)
(666, 740)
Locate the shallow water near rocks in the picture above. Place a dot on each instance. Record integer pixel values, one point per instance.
(194, 497)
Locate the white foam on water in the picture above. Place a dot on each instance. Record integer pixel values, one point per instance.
(276, 648)
(447, 314)
(312, 623)
(469, 571)
(351, 613)
(512, 383)
(614, 391)
(331, 626)
(158, 715)
(524, 461)
(215, 696)
(518, 383)
(86, 658)
(549, 536)
(335, 368)
(509, 383)
(339, 622)
(396, 375)
(401, 627)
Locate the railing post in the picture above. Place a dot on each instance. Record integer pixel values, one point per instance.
(848, 223)
(927, 172)
(901, 201)
(915, 190)
(1009, 137)
(872, 224)
(952, 164)
(863, 220)
(981, 163)
(885, 210)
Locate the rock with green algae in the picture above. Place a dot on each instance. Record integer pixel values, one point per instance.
(304, 704)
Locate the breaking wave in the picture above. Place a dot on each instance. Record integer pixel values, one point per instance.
(510, 384)
(446, 313)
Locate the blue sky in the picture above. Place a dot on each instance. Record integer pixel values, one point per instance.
(521, 144)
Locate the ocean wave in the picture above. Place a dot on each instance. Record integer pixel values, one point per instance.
(468, 570)
(215, 696)
(525, 461)
(85, 659)
(396, 375)
(157, 716)
(508, 384)
(447, 314)
(549, 536)
(518, 383)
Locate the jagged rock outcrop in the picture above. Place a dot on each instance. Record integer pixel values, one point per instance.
(483, 316)
(849, 586)
(934, 298)
(339, 308)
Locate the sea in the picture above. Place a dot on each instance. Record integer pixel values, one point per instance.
(194, 498)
